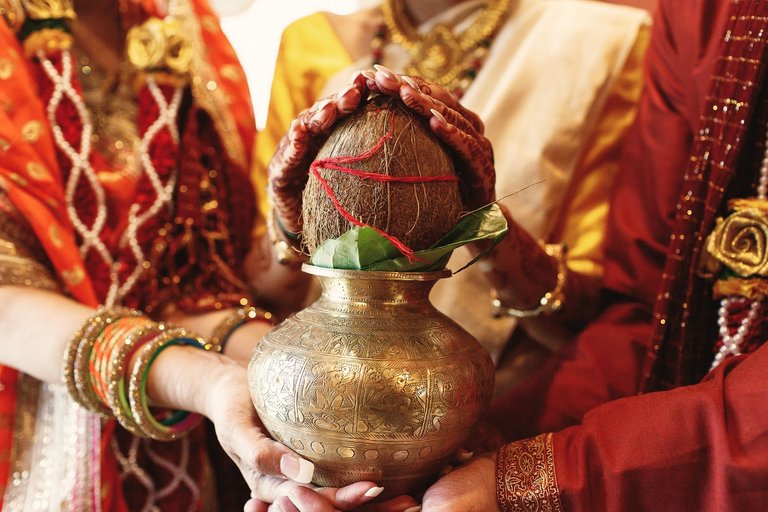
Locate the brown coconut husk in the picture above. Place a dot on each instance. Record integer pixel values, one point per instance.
(417, 214)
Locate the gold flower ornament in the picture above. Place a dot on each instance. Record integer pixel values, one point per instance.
(13, 12)
(49, 9)
(740, 240)
(159, 44)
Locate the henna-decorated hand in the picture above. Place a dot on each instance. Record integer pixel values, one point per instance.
(458, 127)
(289, 167)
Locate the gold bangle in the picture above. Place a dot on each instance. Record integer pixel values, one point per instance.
(236, 319)
(117, 397)
(551, 302)
(75, 366)
(285, 253)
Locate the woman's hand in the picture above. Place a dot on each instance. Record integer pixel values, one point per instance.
(287, 496)
(275, 474)
(459, 128)
(260, 459)
(289, 168)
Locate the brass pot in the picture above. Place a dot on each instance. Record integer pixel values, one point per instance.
(371, 382)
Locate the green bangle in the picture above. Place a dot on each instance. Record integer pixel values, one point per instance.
(137, 387)
(117, 397)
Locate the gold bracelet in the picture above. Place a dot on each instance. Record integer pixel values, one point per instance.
(285, 252)
(224, 329)
(75, 366)
(551, 302)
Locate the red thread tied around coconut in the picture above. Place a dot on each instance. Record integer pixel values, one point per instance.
(335, 164)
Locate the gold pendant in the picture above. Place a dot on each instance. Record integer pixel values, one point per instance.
(438, 56)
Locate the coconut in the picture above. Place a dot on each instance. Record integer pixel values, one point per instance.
(417, 214)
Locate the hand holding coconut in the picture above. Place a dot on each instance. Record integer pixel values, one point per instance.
(460, 129)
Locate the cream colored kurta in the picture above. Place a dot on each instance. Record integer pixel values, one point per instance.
(556, 93)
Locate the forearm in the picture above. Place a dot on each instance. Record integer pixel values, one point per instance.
(521, 273)
(239, 343)
(706, 445)
(37, 326)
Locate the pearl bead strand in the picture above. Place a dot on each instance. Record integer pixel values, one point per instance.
(732, 342)
(164, 192)
(80, 159)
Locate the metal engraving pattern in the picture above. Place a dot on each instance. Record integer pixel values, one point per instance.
(371, 382)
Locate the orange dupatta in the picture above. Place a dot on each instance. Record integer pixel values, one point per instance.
(32, 179)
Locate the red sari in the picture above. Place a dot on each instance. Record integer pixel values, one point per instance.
(219, 136)
(702, 446)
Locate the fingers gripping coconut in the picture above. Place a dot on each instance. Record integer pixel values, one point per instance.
(426, 106)
(381, 167)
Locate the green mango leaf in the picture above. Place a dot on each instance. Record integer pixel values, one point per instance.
(487, 223)
(365, 249)
(354, 250)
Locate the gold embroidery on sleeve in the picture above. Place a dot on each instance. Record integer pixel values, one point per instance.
(525, 476)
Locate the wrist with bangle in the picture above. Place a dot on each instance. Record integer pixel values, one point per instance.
(551, 302)
(223, 331)
(107, 363)
(285, 243)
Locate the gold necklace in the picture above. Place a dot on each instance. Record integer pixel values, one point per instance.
(440, 55)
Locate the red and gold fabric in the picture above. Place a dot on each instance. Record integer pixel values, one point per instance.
(702, 445)
(217, 142)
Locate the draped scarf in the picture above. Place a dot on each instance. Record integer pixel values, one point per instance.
(684, 331)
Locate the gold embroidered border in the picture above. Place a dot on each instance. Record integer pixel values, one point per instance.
(27, 397)
(21, 255)
(15, 271)
(525, 476)
(205, 88)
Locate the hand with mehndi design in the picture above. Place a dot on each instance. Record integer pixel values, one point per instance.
(289, 168)
(460, 129)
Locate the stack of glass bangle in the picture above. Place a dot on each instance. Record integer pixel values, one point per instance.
(106, 366)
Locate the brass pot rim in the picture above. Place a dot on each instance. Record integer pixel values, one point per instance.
(375, 274)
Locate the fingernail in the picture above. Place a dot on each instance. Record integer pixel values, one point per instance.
(298, 470)
(410, 81)
(465, 455)
(373, 492)
(322, 104)
(438, 116)
(342, 92)
(413, 509)
(353, 76)
(386, 72)
(370, 75)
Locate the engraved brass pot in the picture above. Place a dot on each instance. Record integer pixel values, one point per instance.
(371, 382)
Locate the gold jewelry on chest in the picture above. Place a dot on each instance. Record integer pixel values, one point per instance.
(441, 55)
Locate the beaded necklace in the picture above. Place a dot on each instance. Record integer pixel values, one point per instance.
(451, 60)
(733, 333)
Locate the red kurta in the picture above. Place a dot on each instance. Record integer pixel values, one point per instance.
(702, 447)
